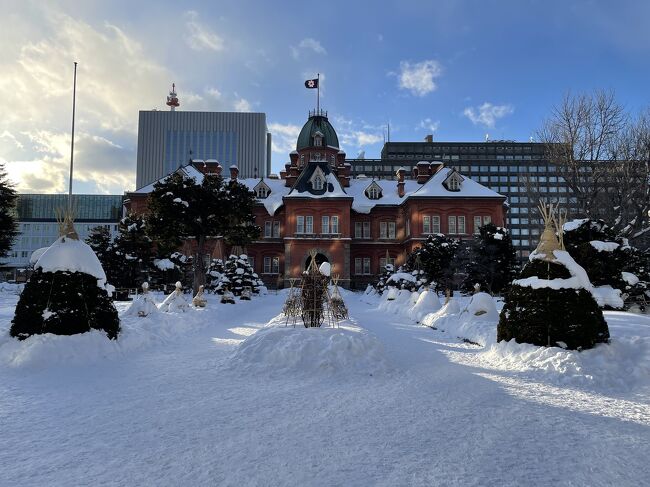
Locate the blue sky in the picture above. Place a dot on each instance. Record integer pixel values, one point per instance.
(456, 69)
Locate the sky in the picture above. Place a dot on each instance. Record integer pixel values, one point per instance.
(459, 70)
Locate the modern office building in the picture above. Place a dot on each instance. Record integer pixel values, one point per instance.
(167, 140)
(517, 170)
(38, 227)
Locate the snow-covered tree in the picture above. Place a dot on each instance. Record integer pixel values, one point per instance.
(66, 294)
(182, 208)
(492, 260)
(436, 259)
(608, 259)
(8, 227)
(382, 281)
(101, 242)
(215, 273)
(551, 303)
(133, 251)
(238, 274)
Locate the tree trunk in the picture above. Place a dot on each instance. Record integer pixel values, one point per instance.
(198, 266)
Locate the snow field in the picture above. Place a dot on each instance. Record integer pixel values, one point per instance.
(177, 410)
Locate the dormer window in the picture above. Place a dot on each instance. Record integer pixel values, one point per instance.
(318, 139)
(262, 191)
(454, 184)
(318, 180)
(453, 181)
(318, 184)
(373, 192)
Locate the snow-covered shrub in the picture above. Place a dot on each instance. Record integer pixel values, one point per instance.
(426, 303)
(238, 274)
(66, 294)
(436, 258)
(144, 305)
(552, 304)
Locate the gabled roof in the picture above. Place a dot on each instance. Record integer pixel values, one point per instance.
(303, 187)
(188, 171)
(373, 184)
(262, 184)
(469, 189)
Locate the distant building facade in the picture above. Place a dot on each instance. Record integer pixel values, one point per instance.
(38, 227)
(359, 224)
(167, 140)
(517, 170)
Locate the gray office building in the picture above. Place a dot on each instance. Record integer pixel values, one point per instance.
(38, 227)
(169, 139)
(517, 170)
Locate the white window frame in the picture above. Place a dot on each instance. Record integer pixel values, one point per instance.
(267, 265)
(358, 266)
(300, 224)
(309, 224)
(276, 229)
(358, 229)
(487, 219)
(451, 224)
(426, 224)
(392, 230)
(334, 224)
(318, 183)
(477, 225)
(461, 224)
(366, 226)
(325, 224)
(435, 224)
(366, 265)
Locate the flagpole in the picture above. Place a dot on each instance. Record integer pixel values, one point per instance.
(74, 100)
(318, 95)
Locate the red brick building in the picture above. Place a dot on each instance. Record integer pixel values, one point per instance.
(352, 223)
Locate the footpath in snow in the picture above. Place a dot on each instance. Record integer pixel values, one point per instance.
(227, 396)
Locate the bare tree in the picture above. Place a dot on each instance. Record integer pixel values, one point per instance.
(627, 199)
(581, 138)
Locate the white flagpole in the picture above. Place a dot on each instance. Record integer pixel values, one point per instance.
(318, 95)
(74, 100)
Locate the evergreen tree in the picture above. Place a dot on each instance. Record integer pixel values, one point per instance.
(181, 208)
(215, 273)
(8, 226)
(382, 281)
(596, 248)
(436, 259)
(492, 260)
(551, 302)
(237, 274)
(66, 301)
(132, 249)
(100, 241)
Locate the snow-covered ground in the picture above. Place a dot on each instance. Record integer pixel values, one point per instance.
(227, 396)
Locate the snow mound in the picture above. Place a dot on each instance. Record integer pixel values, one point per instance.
(481, 307)
(311, 351)
(67, 254)
(325, 269)
(427, 302)
(622, 365)
(37, 255)
(447, 313)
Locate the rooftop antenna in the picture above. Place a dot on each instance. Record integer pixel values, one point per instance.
(487, 137)
(74, 105)
(172, 98)
(388, 131)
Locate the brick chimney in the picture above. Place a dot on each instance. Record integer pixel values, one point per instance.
(428, 138)
(401, 173)
(423, 172)
(234, 172)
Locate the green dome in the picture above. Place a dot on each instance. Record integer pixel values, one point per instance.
(317, 123)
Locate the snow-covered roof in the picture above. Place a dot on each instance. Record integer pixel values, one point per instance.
(187, 171)
(434, 187)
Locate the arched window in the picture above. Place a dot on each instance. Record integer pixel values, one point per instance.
(262, 192)
(318, 183)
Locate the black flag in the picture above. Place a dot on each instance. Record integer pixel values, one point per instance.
(311, 83)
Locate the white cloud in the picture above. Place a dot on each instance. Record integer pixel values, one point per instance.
(284, 137)
(431, 125)
(213, 92)
(307, 44)
(199, 37)
(243, 105)
(487, 114)
(418, 78)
